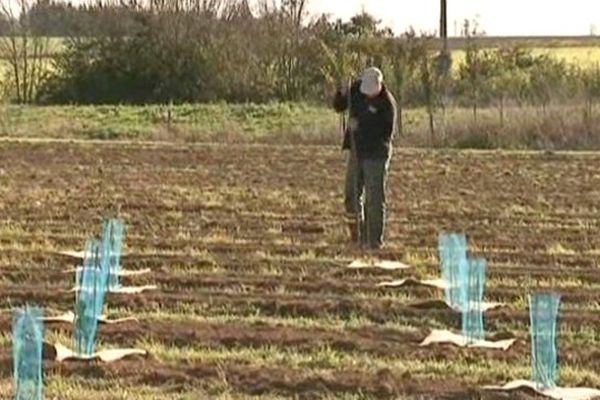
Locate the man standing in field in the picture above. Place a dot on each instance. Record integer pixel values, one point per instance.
(368, 137)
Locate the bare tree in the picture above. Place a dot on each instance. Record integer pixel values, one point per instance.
(431, 81)
(24, 50)
(404, 56)
(293, 13)
(206, 7)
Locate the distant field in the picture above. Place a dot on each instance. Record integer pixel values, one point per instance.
(531, 41)
(53, 46)
(586, 57)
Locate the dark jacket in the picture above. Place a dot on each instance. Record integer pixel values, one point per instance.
(376, 122)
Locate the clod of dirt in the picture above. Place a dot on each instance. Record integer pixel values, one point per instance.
(303, 228)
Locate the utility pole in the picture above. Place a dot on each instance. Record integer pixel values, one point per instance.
(445, 57)
(444, 24)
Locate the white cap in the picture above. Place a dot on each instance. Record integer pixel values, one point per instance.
(371, 82)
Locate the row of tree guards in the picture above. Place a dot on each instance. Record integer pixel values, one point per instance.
(466, 277)
(100, 273)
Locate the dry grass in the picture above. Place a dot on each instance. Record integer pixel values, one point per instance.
(534, 128)
(558, 127)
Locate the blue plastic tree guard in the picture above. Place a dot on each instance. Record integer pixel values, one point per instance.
(472, 312)
(454, 264)
(543, 311)
(93, 278)
(92, 283)
(28, 339)
(113, 231)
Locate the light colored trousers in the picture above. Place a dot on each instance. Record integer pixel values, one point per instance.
(365, 194)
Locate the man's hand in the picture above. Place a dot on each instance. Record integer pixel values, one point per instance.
(340, 97)
(339, 89)
(332, 90)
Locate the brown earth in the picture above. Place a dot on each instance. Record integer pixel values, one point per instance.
(241, 231)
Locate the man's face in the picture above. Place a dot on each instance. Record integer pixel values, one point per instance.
(375, 95)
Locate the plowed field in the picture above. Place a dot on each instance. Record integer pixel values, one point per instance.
(248, 248)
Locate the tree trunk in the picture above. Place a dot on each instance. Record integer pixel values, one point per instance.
(502, 100)
(25, 44)
(587, 116)
(431, 124)
(14, 57)
(23, 50)
(475, 108)
(36, 67)
(400, 116)
(591, 117)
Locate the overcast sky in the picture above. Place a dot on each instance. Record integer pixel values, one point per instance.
(496, 17)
